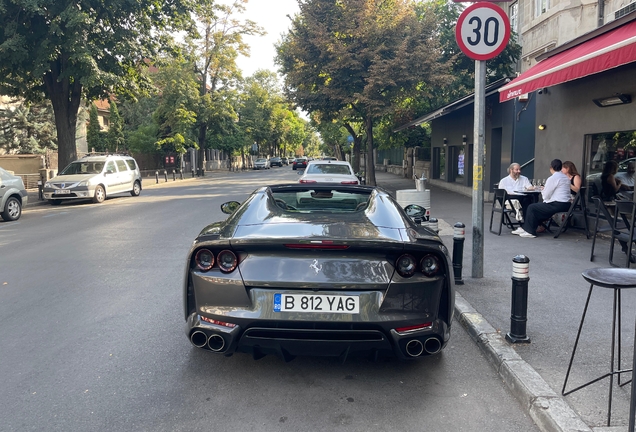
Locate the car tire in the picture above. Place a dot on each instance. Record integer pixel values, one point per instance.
(136, 190)
(100, 194)
(55, 202)
(12, 209)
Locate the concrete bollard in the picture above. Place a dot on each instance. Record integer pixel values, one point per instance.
(156, 176)
(459, 235)
(519, 309)
(165, 174)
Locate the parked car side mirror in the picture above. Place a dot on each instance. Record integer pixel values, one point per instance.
(230, 207)
(415, 211)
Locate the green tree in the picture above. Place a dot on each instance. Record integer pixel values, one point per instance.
(359, 57)
(115, 135)
(27, 128)
(67, 51)
(94, 136)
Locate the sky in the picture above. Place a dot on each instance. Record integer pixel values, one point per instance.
(271, 15)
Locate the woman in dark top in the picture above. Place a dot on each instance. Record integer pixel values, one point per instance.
(569, 169)
(610, 185)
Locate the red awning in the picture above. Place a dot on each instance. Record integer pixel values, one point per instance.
(606, 51)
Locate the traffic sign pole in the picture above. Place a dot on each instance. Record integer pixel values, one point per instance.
(478, 169)
(482, 33)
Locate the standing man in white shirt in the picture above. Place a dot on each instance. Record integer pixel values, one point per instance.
(556, 198)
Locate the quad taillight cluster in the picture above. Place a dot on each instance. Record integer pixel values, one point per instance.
(407, 265)
(226, 260)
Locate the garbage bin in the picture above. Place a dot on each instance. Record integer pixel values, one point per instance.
(420, 184)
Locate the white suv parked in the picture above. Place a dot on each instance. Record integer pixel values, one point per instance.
(94, 177)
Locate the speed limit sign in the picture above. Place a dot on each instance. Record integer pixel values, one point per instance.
(482, 31)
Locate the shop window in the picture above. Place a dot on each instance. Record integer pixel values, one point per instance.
(604, 147)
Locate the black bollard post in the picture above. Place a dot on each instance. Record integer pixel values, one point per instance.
(202, 172)
(433, 224)
(165, 173)
(180, 174)
(157, 176)
(174, 175)
(519, 310)
(40, 190)
(459, 234)
(192, 172)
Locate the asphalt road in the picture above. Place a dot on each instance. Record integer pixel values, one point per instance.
(93, 337)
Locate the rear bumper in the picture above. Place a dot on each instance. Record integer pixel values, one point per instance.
(288, 340)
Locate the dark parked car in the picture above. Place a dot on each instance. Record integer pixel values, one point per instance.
(318, 270)
(276, 161)
(299, 163)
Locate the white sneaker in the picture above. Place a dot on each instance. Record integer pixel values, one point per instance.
(527, 235)
(518, 231)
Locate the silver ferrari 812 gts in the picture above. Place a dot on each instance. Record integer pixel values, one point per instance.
(322, 270)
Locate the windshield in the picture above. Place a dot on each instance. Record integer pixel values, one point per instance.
(328, 169)
(321, 200)
(83, 168)
(261, 160)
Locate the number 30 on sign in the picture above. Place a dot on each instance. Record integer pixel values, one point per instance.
(482, 31)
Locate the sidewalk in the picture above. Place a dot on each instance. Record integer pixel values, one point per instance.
(535, 372)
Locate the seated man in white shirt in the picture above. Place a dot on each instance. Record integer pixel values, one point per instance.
(556, 199)
(515, 182)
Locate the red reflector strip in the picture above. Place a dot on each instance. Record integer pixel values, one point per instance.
(415, 327)
(308, 181)
(221, 323)
(316, 246)
(349, 182)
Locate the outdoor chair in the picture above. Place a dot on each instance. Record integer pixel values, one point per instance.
(577, 207)
(624, 233)
(507, 214)
(602, 213)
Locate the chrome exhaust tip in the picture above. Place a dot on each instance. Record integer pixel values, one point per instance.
(414, 348)
(432, 345)
(216, 343)
(198, 339)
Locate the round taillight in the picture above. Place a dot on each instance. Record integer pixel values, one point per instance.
(227, 261)
(204, 259)
(406, 265)
(430, 265)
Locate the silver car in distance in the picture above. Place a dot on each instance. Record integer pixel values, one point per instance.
(319, 269)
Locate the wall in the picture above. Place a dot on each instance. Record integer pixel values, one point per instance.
(22, 164)
(569, 114)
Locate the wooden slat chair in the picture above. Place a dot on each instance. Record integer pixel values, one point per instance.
(507, 214)
(577, 207)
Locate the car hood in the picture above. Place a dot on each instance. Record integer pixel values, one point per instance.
(72, 178)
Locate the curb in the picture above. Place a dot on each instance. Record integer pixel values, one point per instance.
(549, 411)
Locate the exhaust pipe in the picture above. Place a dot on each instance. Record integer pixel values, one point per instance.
(198, 339)
(414, 348)
(432, 345)
(216, 343)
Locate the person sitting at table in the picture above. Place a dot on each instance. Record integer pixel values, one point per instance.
(556, 199)
(514, 183)
(569, 169)
(610, 185)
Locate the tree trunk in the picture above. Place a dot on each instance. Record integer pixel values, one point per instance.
(201, 141)
(65, 98)
(370, 169)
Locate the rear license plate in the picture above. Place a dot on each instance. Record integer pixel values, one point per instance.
(62, 192)
(316, 303)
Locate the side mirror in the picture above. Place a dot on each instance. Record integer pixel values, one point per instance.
(415, 211)
(230, 207)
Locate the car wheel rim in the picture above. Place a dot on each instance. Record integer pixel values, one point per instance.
(14, 209)
(136, 188)
(100, 194)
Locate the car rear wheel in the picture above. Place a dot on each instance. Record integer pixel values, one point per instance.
(12, 209)
(136, 190)
(55, 201)
(100, 194)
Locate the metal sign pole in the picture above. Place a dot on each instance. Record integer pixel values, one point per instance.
(478, 169)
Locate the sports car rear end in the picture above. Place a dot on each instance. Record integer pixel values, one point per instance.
(321, 270)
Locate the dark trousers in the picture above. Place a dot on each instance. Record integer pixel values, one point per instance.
(539, 212)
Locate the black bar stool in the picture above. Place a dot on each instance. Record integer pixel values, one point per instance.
(616, 279)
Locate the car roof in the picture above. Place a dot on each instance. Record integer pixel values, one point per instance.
(329, 162)
(101, 158)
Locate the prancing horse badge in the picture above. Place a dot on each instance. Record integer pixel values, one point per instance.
(316, 267)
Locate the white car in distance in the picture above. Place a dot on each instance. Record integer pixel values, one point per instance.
(328, 171)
